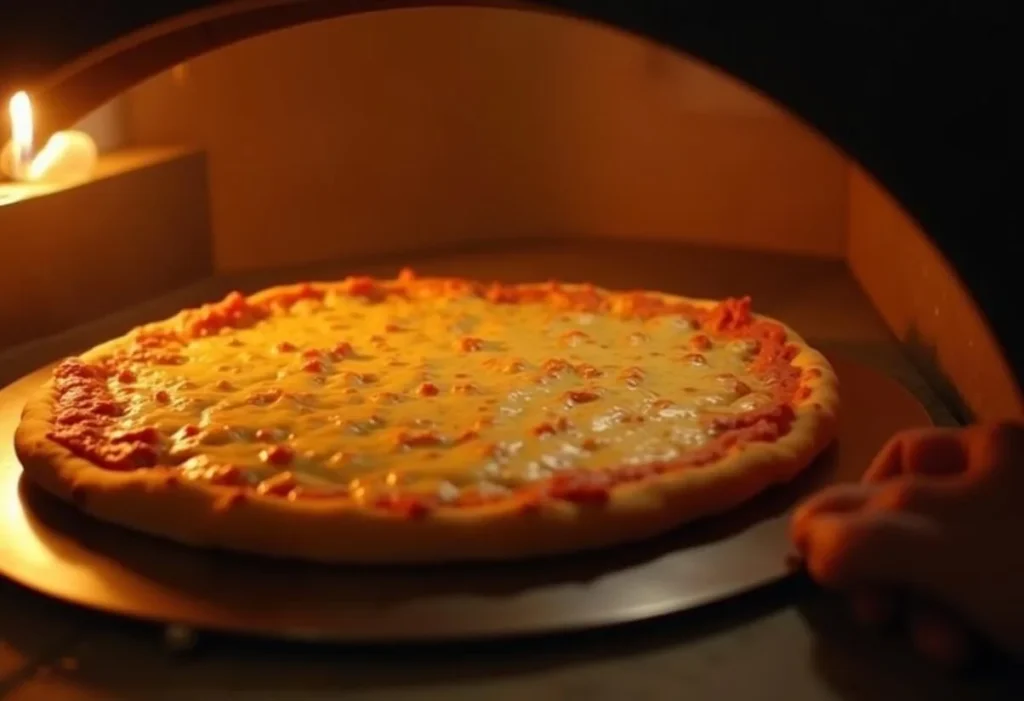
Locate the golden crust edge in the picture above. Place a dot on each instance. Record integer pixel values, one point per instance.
(198, 515)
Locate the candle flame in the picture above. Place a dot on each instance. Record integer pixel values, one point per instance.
(22, 130)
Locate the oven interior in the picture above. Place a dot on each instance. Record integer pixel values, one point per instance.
(490, 143)
(487, 143)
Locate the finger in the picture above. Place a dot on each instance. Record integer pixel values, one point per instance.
(940, 639)
(875, 608)
(888, 462)
(936, 453)
(837, 498)
(929, 451)
(864, 550)
(914, 494)
(992, 446)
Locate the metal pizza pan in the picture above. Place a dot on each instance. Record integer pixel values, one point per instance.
(49, 547)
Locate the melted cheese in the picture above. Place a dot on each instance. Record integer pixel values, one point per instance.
(438, 395)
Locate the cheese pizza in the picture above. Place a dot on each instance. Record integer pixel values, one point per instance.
(430, 419)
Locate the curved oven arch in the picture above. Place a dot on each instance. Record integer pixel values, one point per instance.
(837, 68)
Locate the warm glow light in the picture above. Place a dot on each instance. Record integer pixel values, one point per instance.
(22, 133)
(21, 120)
(48, 156)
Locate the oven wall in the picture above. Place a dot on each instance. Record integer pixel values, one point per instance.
(925, 305)
(426, 128)
(70, 253)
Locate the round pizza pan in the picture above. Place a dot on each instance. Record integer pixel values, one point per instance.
(49, 547)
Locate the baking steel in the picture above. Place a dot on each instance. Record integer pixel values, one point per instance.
(49, 547)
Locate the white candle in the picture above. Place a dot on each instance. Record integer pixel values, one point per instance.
(68, 156)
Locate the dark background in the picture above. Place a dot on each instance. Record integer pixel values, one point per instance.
(917, 92)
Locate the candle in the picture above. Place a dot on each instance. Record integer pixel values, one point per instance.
(68, 156)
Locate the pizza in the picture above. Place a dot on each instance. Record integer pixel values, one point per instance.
(424, 420)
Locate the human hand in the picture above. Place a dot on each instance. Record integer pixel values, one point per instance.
(932, 537)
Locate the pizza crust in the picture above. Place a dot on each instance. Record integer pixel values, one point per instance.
(196, 514)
